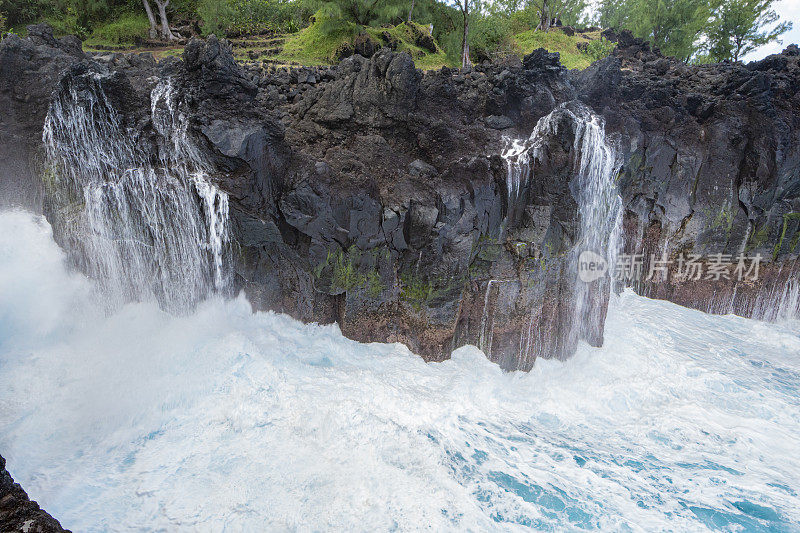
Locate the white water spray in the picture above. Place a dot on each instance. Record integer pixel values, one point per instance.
(141, 228)
(225, 419)
(594, 167)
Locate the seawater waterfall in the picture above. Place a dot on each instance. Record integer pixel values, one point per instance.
(143, 226)
(600, 211)
(593, 169)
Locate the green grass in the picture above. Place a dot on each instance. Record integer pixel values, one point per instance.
(567, 46)
(321, 42)
(404, 35)
(127, 30)
(318, 43)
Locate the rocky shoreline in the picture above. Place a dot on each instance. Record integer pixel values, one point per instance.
(18, 512)
(375, 195)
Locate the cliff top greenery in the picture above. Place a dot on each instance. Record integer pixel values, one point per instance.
(433, 32)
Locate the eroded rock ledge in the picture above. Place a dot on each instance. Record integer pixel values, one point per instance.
(18, 513)
(374, 195)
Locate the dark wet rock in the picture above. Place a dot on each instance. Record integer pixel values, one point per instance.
(18, 514)
(499, 122)
(540, 60)
(372, 194)
(30, 69)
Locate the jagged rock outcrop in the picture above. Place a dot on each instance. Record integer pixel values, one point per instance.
(18, 514)
(29, 70)
(374, 195)
(711, 165)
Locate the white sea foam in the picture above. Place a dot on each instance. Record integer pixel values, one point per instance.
(229, 420)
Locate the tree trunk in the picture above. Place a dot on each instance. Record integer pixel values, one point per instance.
(411, 10)
(544, 17)
(465, 42)
(166, 33)
(153, 29)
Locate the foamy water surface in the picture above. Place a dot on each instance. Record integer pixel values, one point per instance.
(225, 420)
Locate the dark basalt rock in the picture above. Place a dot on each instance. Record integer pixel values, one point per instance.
(372, 194)
(30, 68)
(18, 513)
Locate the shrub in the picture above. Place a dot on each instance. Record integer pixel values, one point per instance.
(126, 30)
(599, 48)
(243, 17)
(217, 16)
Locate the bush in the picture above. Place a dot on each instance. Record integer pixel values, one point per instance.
(599, 48)
(217, 16)
(322, 41)
(488, 37)
(246, 17)
(25, 11)
(127, 30)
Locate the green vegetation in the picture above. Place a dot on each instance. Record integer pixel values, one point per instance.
(787, 218)
(757, 237)
(325, 40)
(434, 32)
(572, 56)
(697, 30)
(341, 272)
(129, 29)
(250, 17)
(320, 42)
(740, 26)
(416, 291)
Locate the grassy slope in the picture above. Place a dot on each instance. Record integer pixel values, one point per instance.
(313, 46)
(557, 41)
(127, 30)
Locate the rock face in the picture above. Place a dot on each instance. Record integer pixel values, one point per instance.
(29, 70)
(711, 166)
(385, 199)
(18, 514)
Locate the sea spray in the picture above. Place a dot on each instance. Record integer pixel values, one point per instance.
(222, 418)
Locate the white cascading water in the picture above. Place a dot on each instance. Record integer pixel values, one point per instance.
(517, 157)
(595, 191)
(219, 419)
(600, 211)
(141, 228)
(595, 167)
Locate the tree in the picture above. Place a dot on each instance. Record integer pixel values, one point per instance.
(151, 18)
(564, 11)
(739, 27)
(613, 14)
(164, 31)
(87, 11)
(464, 7)
(673, 26)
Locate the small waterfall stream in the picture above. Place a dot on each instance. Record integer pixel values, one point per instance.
(143, 226)
(600, 209)
(593, 186)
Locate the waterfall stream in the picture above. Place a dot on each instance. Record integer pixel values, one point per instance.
(600, 209)
(594, 170)
(143, 226)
